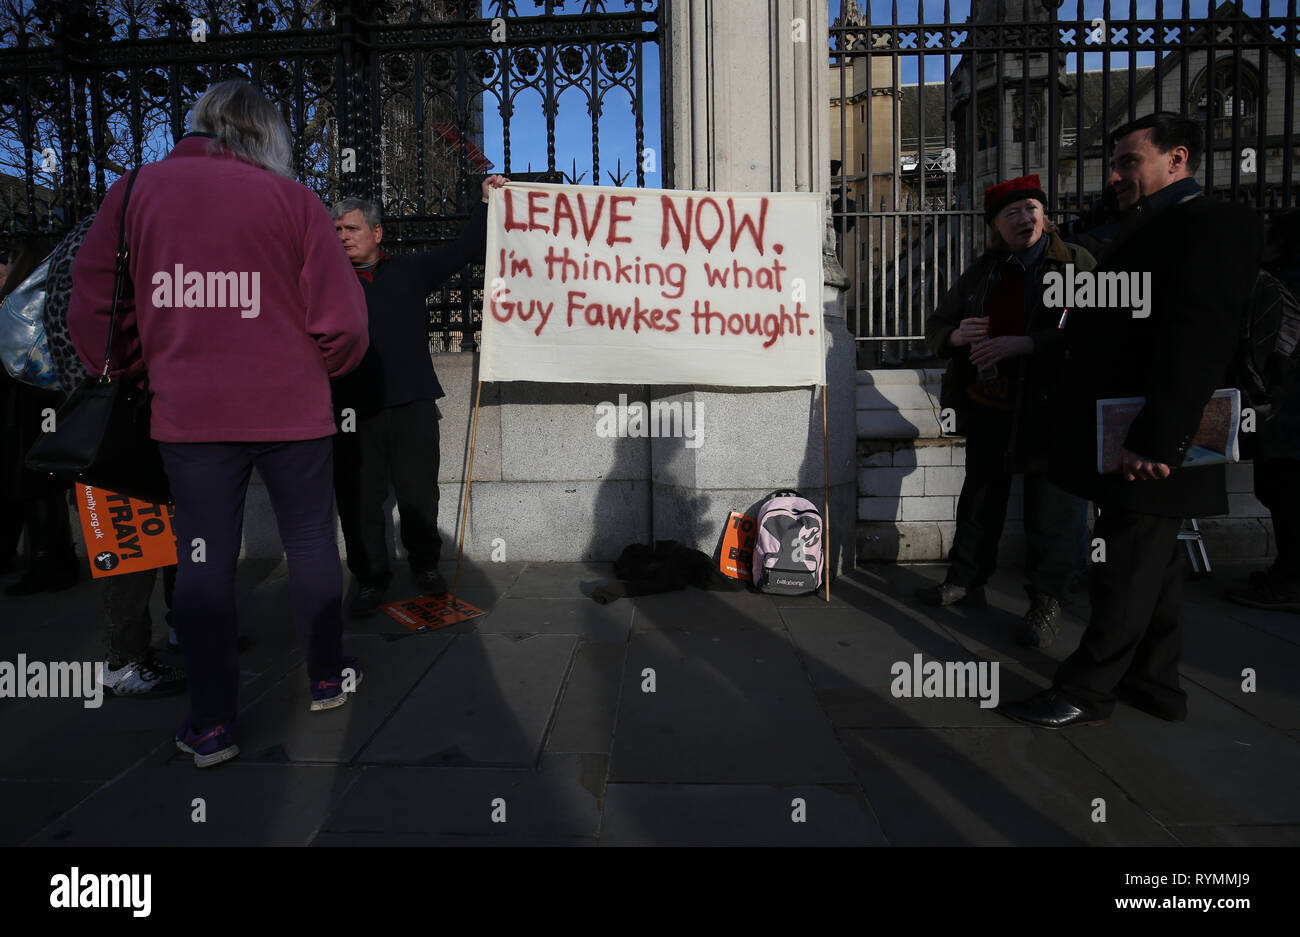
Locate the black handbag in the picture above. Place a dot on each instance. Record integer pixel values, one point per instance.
(101, 435)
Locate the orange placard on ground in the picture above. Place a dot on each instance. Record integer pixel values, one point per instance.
(429, 612)
(738, 546)
(124, 534)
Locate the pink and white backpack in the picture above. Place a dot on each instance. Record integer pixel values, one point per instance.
(789, 553)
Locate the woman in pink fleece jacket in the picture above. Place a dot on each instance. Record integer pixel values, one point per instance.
(245, 306)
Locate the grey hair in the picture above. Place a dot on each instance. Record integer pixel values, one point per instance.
(369, 210)
(245, 123)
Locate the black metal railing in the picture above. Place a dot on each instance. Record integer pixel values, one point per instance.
(384, 99)
(1031, 86)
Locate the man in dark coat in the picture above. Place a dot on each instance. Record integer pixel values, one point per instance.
(391, 432)
(1173, 348)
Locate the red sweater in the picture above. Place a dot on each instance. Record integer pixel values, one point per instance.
(245, 302)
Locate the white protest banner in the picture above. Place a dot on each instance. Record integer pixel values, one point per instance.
(598, 285)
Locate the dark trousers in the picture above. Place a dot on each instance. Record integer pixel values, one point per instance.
(1054, 518)
(11, 531)
(210, 482)
(1277, 485)
(397, 445)
(46, 517)
(1133, 636)
(32, 500)
(126, 609)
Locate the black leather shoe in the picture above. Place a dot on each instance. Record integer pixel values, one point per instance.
(430, 582)
(366, 602)
(1051, 710)
(946, 593)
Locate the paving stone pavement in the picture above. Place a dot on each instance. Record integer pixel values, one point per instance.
(693, 718)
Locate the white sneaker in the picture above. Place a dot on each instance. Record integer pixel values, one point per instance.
(144, 677)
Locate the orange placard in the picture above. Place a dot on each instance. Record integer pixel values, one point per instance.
(738, 546)
(124, 534)
(430, 612)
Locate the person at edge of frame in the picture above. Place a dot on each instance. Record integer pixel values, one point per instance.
(130, 668)
(1005, 348)
(31, 500)
(1276, 450)
(393, 398)
(1201, 256)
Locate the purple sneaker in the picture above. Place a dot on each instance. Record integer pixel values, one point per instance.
(210, 747)
(328, 694)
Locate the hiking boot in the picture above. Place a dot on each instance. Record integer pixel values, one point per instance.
(145, 677)
(1268, 591)
(329, 694)
(1039, 627)
(430, 582)
(210, 747)
(366, 602)
(947, 593)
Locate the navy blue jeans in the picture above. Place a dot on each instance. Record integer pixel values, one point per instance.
(209, 482)
(126, 609)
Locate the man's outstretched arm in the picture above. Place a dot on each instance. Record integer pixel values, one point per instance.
(441, 263)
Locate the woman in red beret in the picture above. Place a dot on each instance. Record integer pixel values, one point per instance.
(1004, 349)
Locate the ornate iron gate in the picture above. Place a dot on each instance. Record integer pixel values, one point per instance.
(383, 99)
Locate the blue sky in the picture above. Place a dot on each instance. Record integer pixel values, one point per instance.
(573, 130)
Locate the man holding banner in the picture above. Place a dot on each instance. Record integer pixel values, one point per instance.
(387, 409)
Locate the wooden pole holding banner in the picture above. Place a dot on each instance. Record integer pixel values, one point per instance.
(469, 480)
(826, 494)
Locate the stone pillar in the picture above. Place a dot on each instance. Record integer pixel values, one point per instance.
(733, 125)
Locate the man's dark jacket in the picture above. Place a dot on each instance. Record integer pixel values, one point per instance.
(1202, 256)
(1039, 372)
(398, 368)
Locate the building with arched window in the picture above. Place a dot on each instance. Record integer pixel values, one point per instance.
(1227, 90)
(1229, 70)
